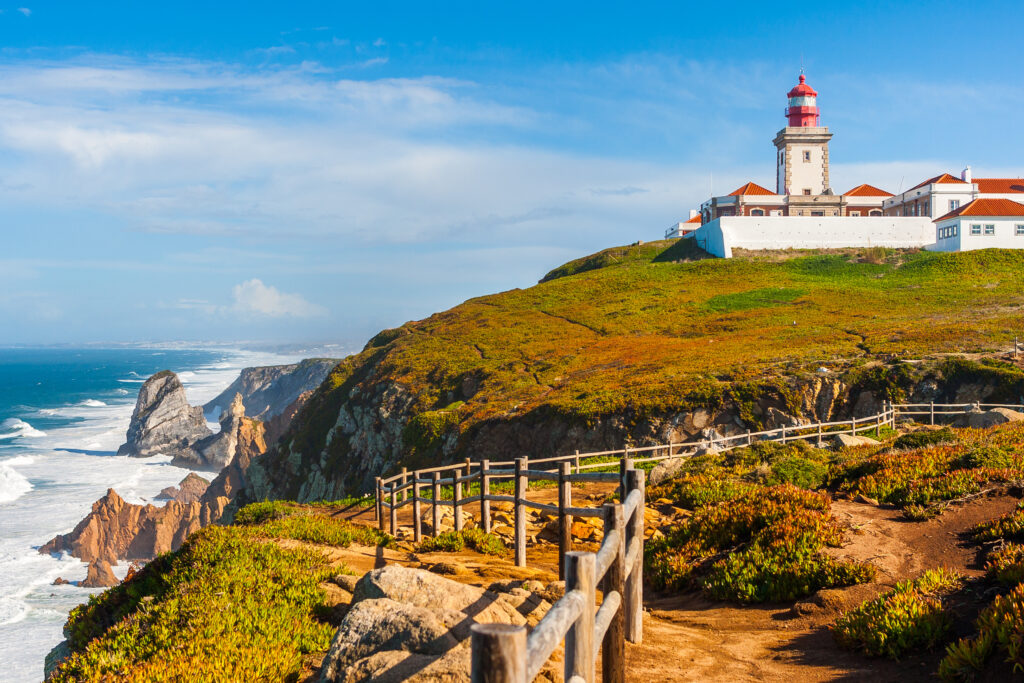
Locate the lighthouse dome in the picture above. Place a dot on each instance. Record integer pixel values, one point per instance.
(802, 90)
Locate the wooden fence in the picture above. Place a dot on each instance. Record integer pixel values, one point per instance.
(503, 653)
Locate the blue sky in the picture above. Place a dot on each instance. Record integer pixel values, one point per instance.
(319, 171)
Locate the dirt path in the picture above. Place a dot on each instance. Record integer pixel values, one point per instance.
(690, 638)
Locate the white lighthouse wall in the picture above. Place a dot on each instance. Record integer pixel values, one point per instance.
(722, 235)
(806, 174)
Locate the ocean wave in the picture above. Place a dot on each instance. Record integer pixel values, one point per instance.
(132, 381)
(12, 428)
(49, 412)
(121, 392)
(13, 485)
(92, 403)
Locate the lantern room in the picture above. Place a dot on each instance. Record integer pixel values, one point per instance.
(802, 111)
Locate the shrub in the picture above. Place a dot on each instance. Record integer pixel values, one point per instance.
(1009, 526)
(257, 513)
(699, 490)
(771, 538)
(1000, 626)
(455, 541)
(1006, 565)
(322, 529)
(923, 439)
(802, 472)
(223, 607)
(909, 617)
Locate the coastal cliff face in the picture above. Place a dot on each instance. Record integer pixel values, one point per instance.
(116, 530)
(268, 391)
(647, 349)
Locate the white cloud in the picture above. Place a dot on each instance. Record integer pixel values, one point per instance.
(252, 297)
(26, 11)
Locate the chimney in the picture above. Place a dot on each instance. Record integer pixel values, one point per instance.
(965, 175)
(693, 212)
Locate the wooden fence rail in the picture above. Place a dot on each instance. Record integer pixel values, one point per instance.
(505, 654)
(411, 488)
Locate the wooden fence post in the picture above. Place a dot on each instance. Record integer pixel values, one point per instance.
(436, 512)
(457, 497)
(579, 640)
(417, 517)
(498, 653)
(633, 600)
(783, 434)
(878, 426)
(819, 435)
(853, 427)
(932, 411)
(485, 490)
(564, 520)
(520, 513)
(394, 510)
(576, 461)
(749, 441)
(378, 508)
(625, 464)
(613, 647)
(405, 480)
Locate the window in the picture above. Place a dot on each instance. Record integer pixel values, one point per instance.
(924, 209)
(757, 212)
(990, 230)
(975, 229)
(954, 204)
(817, 213)
(1019, 231)
(855, 213)
(874, 212)
(807, 155)
(807, 191)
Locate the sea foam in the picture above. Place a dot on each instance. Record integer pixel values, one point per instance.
(12, 428)
(13, 485)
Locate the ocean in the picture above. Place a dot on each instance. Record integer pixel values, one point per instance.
(63, 413)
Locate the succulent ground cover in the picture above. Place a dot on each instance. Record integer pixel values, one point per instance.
(908, 618)
(755, 534)
(456, 541)
(230, 604)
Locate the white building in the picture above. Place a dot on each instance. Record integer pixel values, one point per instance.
(981, 224)
(804, 213)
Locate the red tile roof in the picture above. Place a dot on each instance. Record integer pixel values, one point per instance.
(1000, 185)
(751, 188)
(866, 190)
(945, 178)
(986, 207)
(695, 219)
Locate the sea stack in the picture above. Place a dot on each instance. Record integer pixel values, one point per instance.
(163, 422)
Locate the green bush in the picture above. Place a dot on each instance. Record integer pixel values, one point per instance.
(223, 607)
(455, 541)
(1006, 565)
(257, 513)
(322, 529)
(1010, 526)
(908, 618)
(923, 439)
(799, 471)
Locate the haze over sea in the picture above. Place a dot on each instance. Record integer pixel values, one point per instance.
(63, 413)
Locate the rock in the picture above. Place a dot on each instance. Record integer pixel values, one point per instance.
(99, 575)
(115, 530)
(776, 418)
(988, 418)
(834, 601)
(423, 589)
(189, 490)
(851, 441)
(60, 581)
(665, 470)
(346, 581)
(271, 390)
(217, 451)
(163, 422)
(278, 424)
(55, 657)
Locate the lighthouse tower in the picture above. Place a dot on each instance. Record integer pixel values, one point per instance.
(802, 159)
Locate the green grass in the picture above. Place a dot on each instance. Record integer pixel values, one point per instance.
(456, 541)
(282, 519)
(907, 619)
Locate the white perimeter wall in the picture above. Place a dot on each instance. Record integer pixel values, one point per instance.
(724, 234)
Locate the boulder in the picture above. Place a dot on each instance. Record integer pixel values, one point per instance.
(852, 440)
(163, 422)
(189, 490)
(424, 589)
(988, 418)
(665, 470)
(99, 575)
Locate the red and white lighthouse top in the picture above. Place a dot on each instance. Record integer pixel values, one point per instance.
(803, 106)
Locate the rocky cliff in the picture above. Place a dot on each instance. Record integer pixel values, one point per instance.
(646, 349)
(268, 391)
(163, 422)
(116, 530)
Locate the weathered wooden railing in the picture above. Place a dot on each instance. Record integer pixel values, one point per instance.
(505, 654)
(407, 488)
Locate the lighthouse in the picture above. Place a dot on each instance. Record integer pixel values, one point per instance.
(802, 111)
(802, 149)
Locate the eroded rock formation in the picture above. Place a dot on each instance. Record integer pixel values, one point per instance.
(269, 390)
(163, 422)
(99, 575)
